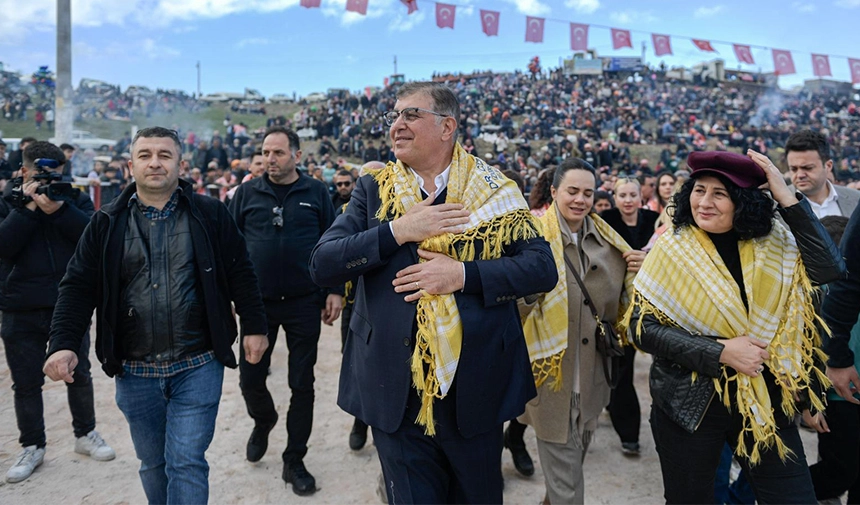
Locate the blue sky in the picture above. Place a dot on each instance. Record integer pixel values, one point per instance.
(276, 46)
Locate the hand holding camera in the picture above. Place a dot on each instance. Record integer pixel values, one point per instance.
(40, 200)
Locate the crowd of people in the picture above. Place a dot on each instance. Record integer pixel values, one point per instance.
(492, 308)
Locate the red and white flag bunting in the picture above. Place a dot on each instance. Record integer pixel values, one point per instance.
(821, 65)
(359, 6)
(412, 5)
(783, 64)
(743, 54)
(704, 45)
(662, 45)
(490, 22)
(578, 37)
(445, 15)
(854, 66)
(621, 38)
(534, 29)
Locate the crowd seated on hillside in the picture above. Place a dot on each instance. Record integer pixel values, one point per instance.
(528, 122)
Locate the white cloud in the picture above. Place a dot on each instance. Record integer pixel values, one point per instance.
(631, 16)
(404, 23)
(530, 7)
(803, 7)
(155, 51)
(848, 4)
(706, 12)
(253, 41)
(584, 6)
(185, 29)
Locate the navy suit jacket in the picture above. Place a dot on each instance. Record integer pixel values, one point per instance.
(493, 380)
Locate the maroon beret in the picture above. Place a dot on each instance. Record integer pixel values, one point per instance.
(739, 169)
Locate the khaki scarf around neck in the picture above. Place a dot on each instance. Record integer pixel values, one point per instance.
(499, 217)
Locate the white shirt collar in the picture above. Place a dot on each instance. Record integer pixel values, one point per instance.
(828, 207)
(441, 180)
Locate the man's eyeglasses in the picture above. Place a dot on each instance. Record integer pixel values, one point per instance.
(410, 115)
(343, 184)
(278, 220)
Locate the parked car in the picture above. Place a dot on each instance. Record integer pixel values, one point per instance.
(316, 97)
(139, 91)
(281, 98)
(86, 140)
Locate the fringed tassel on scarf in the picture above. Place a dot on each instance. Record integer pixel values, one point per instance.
(546, 368)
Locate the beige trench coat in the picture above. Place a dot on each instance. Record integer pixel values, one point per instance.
(549, 412)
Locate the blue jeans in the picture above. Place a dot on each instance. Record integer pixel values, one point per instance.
(172, 421)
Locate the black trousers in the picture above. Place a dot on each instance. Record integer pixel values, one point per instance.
(25, 338)
(624, 409)
(445, 468)
(689, 461)
(839, 453)
(300, 318)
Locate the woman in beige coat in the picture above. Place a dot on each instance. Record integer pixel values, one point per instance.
(560, 329)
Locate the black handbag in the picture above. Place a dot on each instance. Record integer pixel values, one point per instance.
(605, 337)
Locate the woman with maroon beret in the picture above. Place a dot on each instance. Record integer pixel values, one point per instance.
(724, 303)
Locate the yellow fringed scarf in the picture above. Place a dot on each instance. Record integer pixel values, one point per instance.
(684, 283)
(499, 217)
(545, 326)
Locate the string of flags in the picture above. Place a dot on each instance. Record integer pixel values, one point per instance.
(783, 62)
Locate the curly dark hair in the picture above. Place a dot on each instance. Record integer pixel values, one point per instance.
(753, 209)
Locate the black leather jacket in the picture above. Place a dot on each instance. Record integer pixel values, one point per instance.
(677, 353)
(224, 271)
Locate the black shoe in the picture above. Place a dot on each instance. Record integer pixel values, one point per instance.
(358, 435)
(631, 449)
(303, 482)
(258, 443)
(522, 461)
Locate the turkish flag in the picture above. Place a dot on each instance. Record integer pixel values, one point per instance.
(621, 38)
(704, 45)
(782, 62)
(445, 15)
(411, 5)
(743, 54)
(359, 6)
(662, 45)
(534, 29)
(310, 3)
(854, 65)
(490, 22)
(578, 37)
(821, 65)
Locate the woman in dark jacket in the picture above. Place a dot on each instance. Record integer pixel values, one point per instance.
(723, 302)
(636, 225)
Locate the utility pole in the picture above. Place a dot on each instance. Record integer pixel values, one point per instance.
(64, 111)
(395, 64)
(198, 78)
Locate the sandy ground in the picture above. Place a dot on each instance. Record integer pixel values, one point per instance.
(343, 476)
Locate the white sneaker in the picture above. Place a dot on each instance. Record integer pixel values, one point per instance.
(93, 446)
(27, 461)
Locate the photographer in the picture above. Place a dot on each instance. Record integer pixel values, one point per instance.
(38, 236)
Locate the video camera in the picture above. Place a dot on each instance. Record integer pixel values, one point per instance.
(54, 185)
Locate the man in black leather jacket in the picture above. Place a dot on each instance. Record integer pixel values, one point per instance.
(161, 265)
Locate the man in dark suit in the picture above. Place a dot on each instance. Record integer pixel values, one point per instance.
(442, 441)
